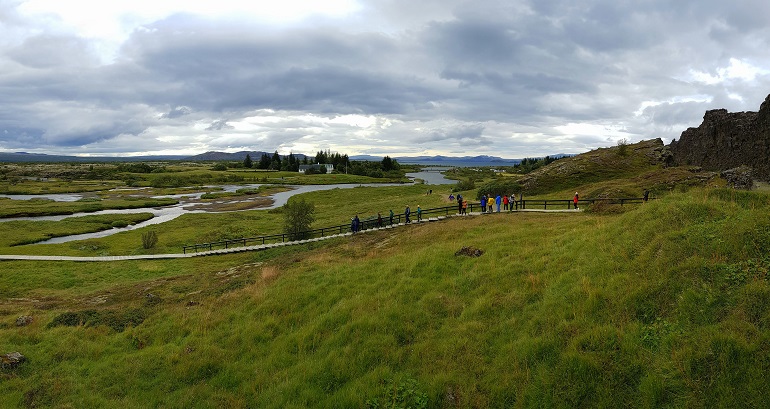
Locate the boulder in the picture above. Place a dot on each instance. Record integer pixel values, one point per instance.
(11, 360)
(741, 177)
(23, 321)
(469, 252)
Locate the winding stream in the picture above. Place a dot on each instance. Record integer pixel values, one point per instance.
(188, 201)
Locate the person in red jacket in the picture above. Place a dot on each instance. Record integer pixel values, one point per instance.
(505, 202)
(575, 199)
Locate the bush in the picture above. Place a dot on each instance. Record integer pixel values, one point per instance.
(119, 223)
(298, 216)
(149, 239)
(623, 147)
(499, 187)
(463, 185)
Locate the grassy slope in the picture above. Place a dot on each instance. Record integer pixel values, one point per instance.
(667, 305)
(613, 172)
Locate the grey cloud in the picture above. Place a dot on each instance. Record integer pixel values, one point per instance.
(177, 112)
(453, 64)
(463, 132)
(219, 125)
(47, 51)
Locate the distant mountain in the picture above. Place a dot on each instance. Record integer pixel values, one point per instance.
(236, 156)
(440, 160)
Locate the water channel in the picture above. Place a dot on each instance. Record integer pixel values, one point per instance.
(189, 203)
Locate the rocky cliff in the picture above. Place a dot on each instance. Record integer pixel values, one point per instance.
(727, 140)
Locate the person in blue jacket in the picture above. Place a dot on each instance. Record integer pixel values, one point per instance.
(407, 212)
(498, 201)
(484, 204)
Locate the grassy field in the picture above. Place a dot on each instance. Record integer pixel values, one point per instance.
(333, 207)
(664, 305)
(43, 207)
(20, 232)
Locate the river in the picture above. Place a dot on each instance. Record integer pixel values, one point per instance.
(188, 200)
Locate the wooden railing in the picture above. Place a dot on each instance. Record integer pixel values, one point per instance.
(372, 222)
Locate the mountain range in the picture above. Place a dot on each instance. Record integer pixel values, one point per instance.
(439, 160)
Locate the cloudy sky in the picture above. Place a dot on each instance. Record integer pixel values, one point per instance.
(510, 78)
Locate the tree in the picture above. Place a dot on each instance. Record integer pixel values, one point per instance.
(298, 216)
(275, 163)
(247, 163)
(264, 161)
(623, 147)
(387, 163)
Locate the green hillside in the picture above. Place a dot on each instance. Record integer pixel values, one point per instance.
(665, 304)
(620, 171)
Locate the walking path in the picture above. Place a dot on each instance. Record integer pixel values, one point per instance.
(240, 249)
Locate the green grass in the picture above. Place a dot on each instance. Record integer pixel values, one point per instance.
(333, 207)
(15, 233)
(43, 207)
(664, 305)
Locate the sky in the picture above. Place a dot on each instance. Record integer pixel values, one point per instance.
(508, 78)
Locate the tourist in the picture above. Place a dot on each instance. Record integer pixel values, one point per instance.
(459, 203)
(505, 202)
(379, 219)
(498, 201)
(483, 203)
(465, 208)
(490, 203)
(646, 195)
(451, 197)
(407, 212)
(391, 216)
(355, 224)
(575, 199)
(419, 214)
(512, 201)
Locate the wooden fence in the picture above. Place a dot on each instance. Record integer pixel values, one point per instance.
(372, 222)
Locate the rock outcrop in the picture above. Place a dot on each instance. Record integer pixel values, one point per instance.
(728, 140)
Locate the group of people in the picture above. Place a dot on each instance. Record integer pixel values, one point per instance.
(508, 202)
(488, 205)
(408, 214)
(462, 204)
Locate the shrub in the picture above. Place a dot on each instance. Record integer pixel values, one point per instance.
(119, 223)
(149, 239)
(623, 147)
(298, 216)
(463, 185)
(500, 187)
